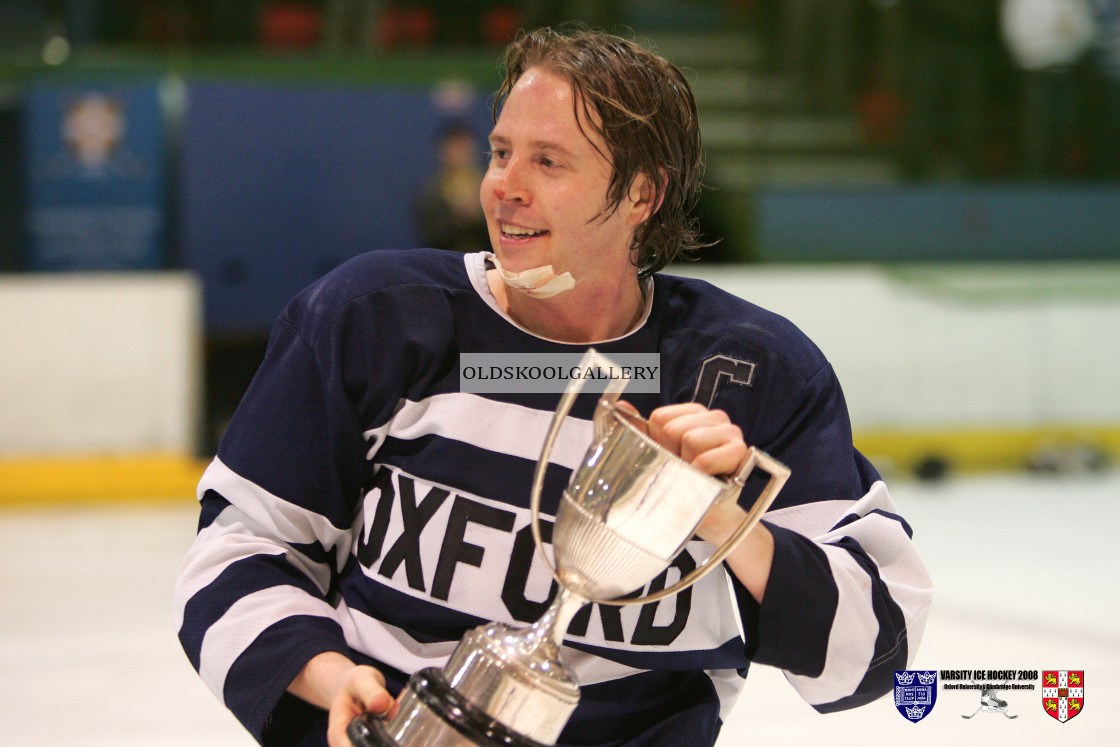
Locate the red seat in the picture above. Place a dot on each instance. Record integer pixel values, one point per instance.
(500, 25)
(409, 26)
(290, 26)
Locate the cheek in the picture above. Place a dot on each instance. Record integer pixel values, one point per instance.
(485, 191)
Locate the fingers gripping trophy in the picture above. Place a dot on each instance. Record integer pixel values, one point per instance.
(630, 507)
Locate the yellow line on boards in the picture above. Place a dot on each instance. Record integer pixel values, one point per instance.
(161, 478)
(984, 449)
(134, 478)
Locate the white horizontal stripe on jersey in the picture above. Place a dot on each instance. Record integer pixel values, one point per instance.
(810, 519)
(272, 515)
(390, 644)
(218, 546)
(900, 568)
(899, 564)
(500, 427)
(854, 627)
(244, 621)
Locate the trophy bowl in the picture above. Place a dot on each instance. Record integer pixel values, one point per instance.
(630, 507)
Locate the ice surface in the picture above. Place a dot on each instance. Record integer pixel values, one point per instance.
(1025, 571)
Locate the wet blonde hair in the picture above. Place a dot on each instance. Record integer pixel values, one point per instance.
(643, 108)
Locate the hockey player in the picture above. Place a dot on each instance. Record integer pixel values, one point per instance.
(363, 513)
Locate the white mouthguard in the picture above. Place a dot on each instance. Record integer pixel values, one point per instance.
(539, 282)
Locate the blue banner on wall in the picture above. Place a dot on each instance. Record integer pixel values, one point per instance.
(279, 184)
(96, 180)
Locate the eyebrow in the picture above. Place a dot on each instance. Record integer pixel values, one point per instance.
(545, 145)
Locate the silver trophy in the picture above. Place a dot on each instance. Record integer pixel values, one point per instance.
(629, 509)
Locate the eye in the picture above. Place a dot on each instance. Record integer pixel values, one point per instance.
(498, 154)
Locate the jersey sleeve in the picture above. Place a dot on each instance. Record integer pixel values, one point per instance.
(848, 595)
(253, 600)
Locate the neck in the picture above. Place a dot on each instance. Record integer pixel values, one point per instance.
(583, 314)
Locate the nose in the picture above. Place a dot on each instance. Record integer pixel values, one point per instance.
(509, 182)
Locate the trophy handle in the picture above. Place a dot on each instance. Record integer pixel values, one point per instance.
(756, 459)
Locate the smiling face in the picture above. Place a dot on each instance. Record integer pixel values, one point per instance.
(545, 191)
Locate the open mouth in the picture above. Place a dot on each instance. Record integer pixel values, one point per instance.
(517, 232)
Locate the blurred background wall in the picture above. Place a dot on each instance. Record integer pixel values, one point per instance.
(929, 187)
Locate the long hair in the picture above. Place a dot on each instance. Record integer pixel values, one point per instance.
(643, 108)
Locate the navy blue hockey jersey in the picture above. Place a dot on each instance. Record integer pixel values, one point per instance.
(360, 502)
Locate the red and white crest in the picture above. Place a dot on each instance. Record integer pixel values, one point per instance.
(1063, 693)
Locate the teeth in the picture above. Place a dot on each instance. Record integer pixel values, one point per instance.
(517, 231)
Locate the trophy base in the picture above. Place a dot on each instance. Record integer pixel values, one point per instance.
(448, 720)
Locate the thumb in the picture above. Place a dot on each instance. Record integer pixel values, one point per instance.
(380, 703)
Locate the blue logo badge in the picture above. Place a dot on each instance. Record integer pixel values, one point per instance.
(915, 693)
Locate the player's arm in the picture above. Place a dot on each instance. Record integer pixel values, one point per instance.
(848, 594)
(254, 592)
(251, 597)
(830, 586)
(709, 441)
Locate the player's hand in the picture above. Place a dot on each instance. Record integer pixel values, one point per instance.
(709, 441)
(345, 689)
(362, 691)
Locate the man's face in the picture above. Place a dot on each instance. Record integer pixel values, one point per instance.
(545, 191)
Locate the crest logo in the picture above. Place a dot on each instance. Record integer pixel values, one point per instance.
(915, 700)
(1063, 693)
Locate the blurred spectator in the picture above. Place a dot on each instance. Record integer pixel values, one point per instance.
(1107, 67)
(945, 74)
(448, 213)
(1046, 39)
(818, 50)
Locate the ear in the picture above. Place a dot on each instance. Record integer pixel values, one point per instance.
(645, 198)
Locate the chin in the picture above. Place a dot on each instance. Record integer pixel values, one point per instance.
(518, 259)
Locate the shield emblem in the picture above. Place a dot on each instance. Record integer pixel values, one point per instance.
(1063, 693)
(915, 693)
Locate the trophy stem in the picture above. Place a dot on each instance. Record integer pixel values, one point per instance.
(553, 624)
(502, 687)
